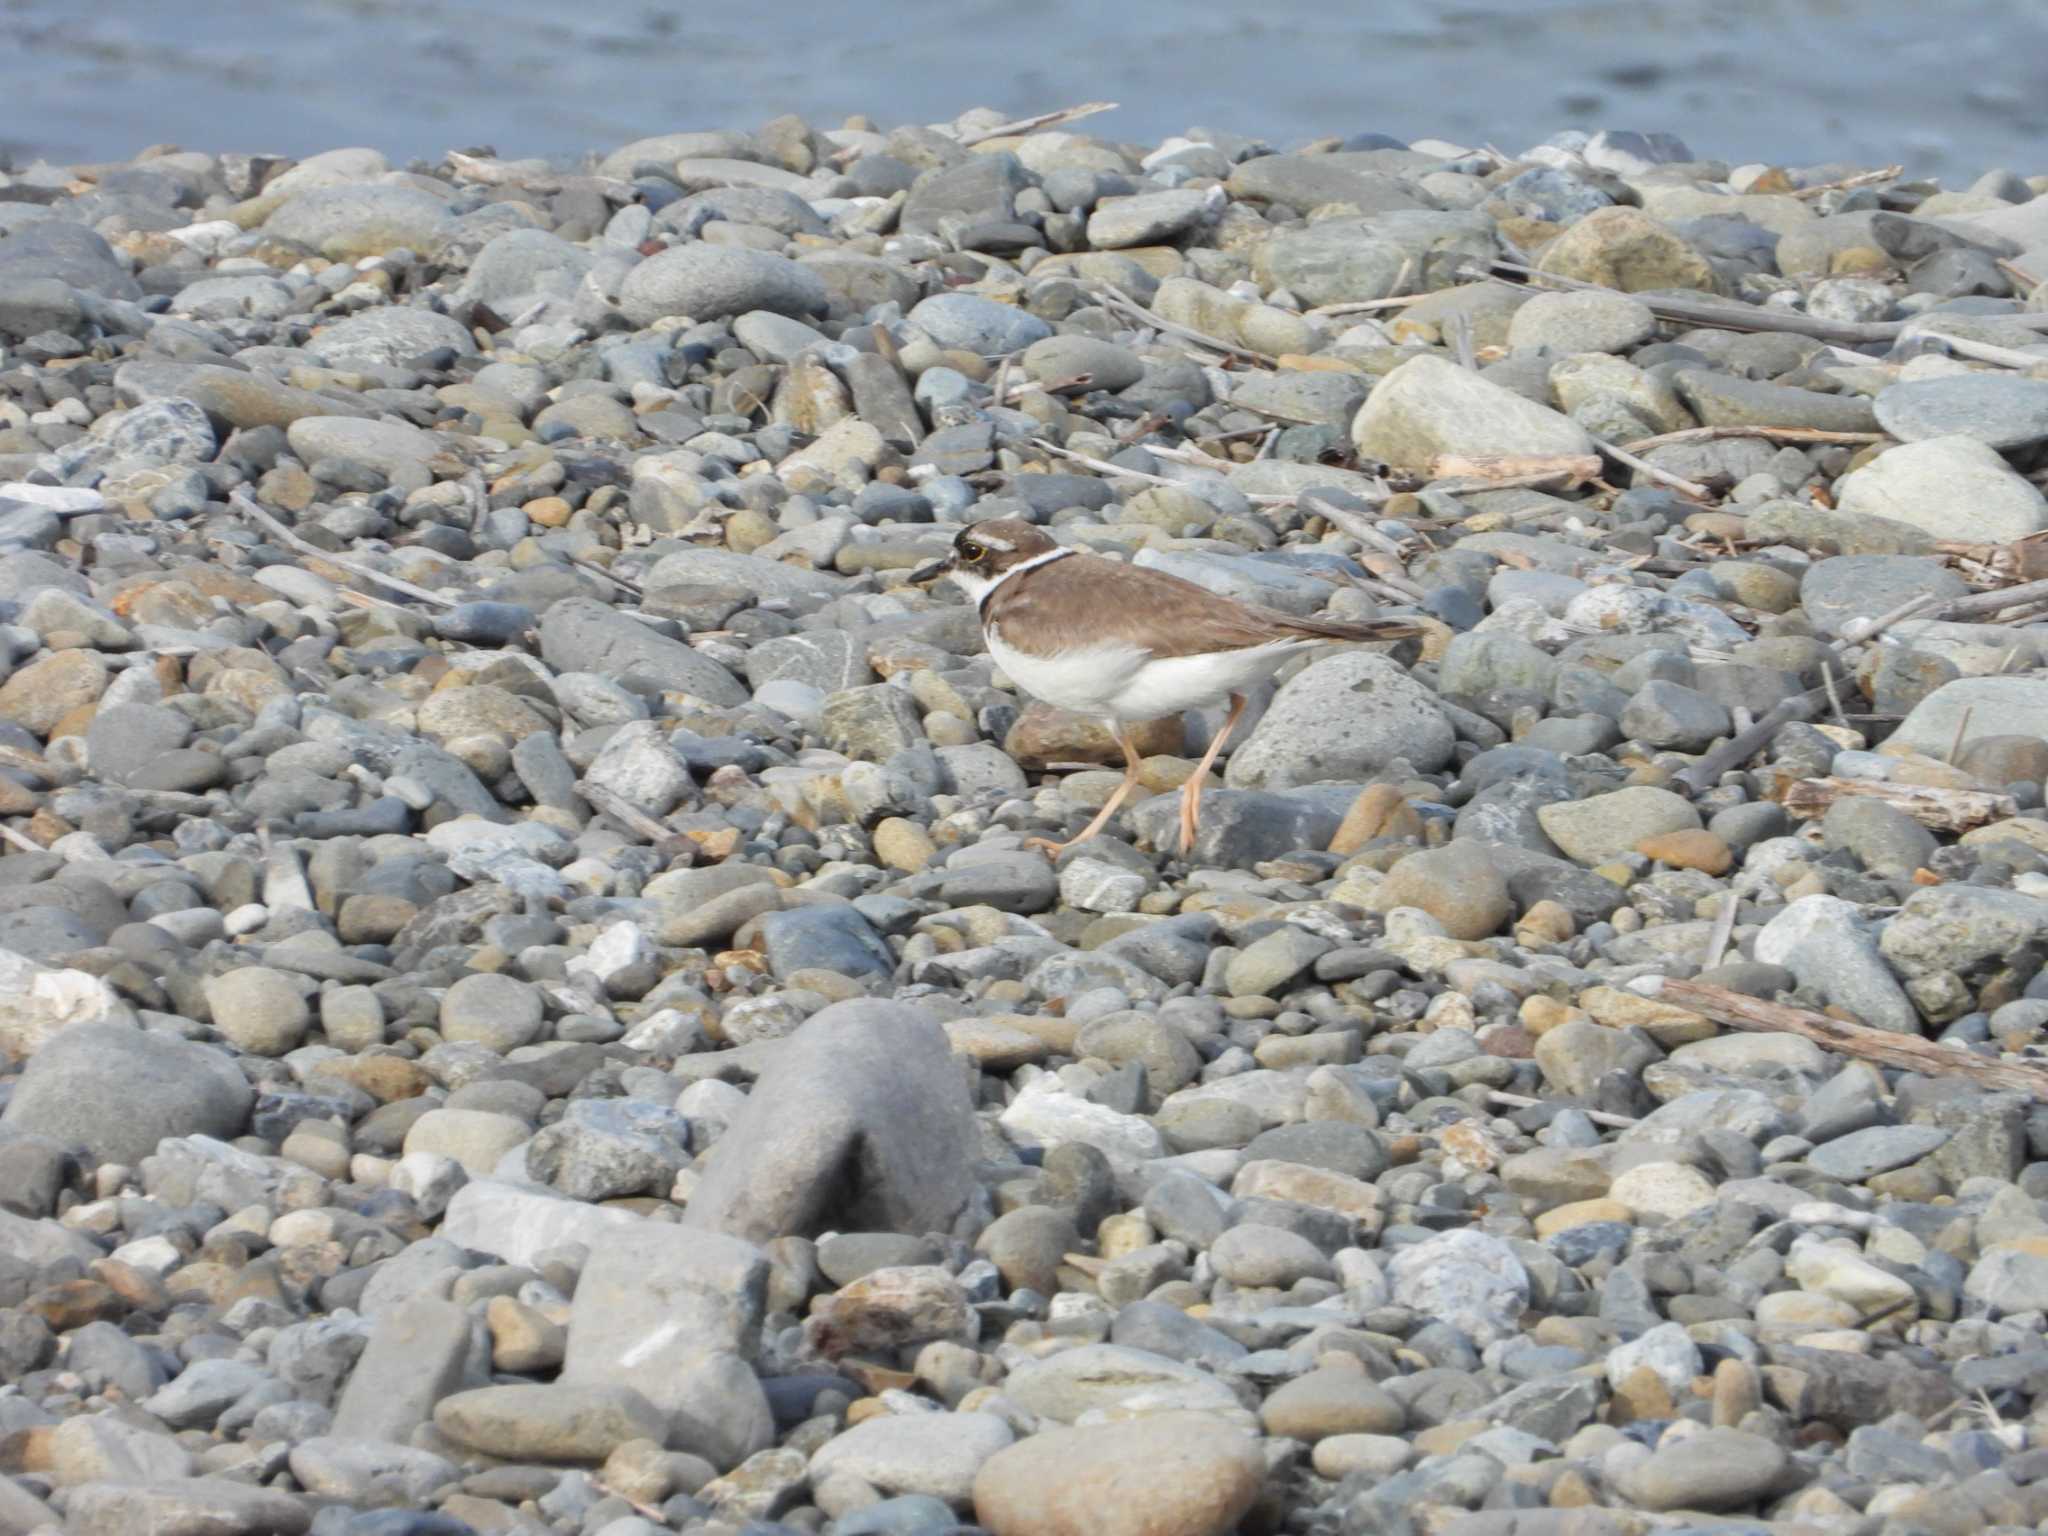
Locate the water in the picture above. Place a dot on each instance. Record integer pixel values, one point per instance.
(1949, 88)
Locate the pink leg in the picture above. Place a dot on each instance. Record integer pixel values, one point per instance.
(1191, 792)
(1109, 807)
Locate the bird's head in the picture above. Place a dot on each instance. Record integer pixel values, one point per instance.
(983, 553)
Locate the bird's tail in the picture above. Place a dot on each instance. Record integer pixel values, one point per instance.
(1367, 630)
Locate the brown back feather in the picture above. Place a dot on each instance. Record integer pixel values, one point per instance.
(1123, 603)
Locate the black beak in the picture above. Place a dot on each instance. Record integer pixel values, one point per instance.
(930, 571)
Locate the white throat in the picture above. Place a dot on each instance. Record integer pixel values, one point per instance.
(980, 588)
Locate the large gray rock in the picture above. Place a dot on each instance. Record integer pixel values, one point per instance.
(1309, 181)
(861, 1121)
(582, 635)
(230, 397)
(727, 569)
(1466, 1278)
(832, 938)
(1345, 260)
(676, 1315)
(389, 337)
(401, 451)
(553, 1422)
(518, 1223)
(1845, 587)
(1721, 1469)
(198, 1506)
(1430, 406)
(1999, 410)
(1725, 400)
(68, 253)
(1995, 706)
(524, 264)
(1960, 927)
(710, 282)
(1344, 717)
(125, 739)
(343, 223)
(422, 1350)
(1598, 827)
(975, 324)
(117, 1091)
(935, 1454)
(1829, 948)
(1954, 487)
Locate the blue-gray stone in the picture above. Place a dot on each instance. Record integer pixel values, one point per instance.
(1864, 1154)
(825, 938)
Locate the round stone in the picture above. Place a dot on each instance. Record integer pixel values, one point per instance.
(487, 1009)
(259, 1009)
(1167, 1474)
(1332, 1402)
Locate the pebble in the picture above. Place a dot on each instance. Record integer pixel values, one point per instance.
(1166, 1474)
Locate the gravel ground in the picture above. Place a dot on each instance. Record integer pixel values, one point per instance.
(525, 1007)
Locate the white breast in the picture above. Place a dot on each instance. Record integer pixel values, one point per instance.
(1120, 682)
(1167, 685)
(1086, 679)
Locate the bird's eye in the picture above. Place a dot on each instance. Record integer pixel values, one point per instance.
(973, 553)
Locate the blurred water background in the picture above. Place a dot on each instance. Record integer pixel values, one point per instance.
(1952, 88)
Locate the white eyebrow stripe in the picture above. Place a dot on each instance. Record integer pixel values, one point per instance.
(1002, 544)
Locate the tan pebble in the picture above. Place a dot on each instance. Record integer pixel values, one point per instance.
(1696, 849)
(1579, 1213)
(1546, 922)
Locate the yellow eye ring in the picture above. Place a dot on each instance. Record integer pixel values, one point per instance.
(971, 552)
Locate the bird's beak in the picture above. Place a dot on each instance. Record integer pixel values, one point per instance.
(931, 571)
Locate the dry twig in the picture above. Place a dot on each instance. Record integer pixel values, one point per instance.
(1947, 810)
(1861, 179)
(1055, 119)
(244, 503)
(1775, 434)
(1115, 298)
(1908, 1053)
(1644, 467)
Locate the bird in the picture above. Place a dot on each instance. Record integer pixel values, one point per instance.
(1124, 644)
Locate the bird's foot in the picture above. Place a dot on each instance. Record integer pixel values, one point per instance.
(1190, 806)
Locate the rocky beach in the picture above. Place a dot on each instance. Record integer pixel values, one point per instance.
(526, 1007)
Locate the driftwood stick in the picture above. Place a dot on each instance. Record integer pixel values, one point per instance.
(1723, 931)
(666, 840)
(1523, 1101)
(1118, 300)
(599, 571)
(1775, 434)
(1663, 477)
(1104, 467)
(1908, 1053)
(1862, 179)
(244, 503)
(15, 839)
(1992, 602)
(1056, 119)
(1946, 810)
(1750, 317)
(1986, 352)
(1733, 753)
(1364, 306)
(1856, 631)
(1578, 468)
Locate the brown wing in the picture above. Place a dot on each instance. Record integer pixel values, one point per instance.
(1158, 612)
